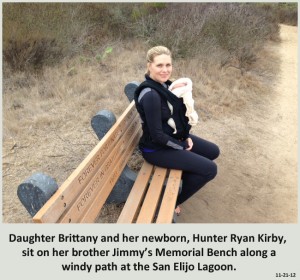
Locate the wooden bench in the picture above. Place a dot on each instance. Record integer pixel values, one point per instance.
(80, 198)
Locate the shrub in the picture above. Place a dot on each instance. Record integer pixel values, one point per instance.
(32, 35)
(177, 27)
(240, 31)
(30, 54)
(285, 13)
(35, 34)
(288, 13)
(236, 30)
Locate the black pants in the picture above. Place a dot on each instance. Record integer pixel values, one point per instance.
(197, 165)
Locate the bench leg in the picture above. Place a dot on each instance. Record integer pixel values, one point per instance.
(101, 123)
(123, 186)
(35, 191)
(129, 90)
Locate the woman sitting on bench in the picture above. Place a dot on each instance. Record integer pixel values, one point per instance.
(159, 144)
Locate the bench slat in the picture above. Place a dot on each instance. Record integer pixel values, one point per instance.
(167, 208)
(94, 208)
(70, 189)
(151, 201)
(134, 200)
(99, 181)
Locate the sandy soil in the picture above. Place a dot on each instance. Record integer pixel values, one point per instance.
(257, 179)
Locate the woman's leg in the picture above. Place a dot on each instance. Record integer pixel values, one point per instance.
(204, 148)
(197, 169)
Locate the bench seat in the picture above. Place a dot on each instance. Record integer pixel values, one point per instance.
(148, 200)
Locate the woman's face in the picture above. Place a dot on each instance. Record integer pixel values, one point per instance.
(161, 68)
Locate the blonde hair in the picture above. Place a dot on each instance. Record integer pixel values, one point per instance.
(155, 51)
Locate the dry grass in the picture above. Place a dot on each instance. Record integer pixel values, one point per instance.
(74, 89)
(46, 118)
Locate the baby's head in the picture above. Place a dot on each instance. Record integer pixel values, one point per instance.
(177, 85)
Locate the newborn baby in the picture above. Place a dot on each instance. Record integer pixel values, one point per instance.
(182, 88)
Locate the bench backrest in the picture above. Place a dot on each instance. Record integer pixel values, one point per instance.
(81, 197)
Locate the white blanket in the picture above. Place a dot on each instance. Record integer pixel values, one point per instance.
(184, 92)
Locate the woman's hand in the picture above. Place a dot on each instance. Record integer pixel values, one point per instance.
(189, 143)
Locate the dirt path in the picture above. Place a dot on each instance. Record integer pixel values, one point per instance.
(257, 180)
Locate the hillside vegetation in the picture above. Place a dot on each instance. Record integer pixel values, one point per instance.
(90, 50)
(44, 33)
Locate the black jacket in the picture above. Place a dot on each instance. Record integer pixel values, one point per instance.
(151, 102)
